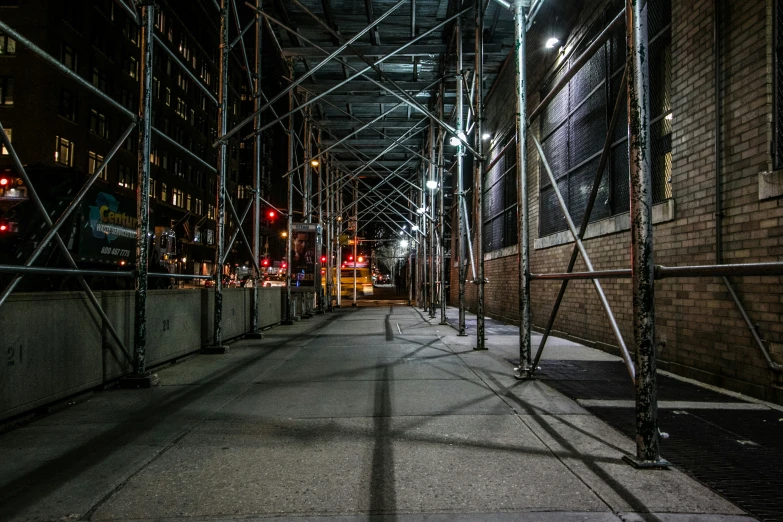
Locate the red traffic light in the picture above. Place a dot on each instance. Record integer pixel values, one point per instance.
(271, 214)
(265, 262)
(284, 265)
(350, 258)
(323, 259)
(3, 227)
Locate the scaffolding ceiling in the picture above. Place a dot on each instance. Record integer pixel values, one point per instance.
(417, 69)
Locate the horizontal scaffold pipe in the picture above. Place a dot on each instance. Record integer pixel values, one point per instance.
(42, 270)
(667, 272)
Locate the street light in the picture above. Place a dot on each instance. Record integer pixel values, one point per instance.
(314, 162)
(404, 243)
(432, 184)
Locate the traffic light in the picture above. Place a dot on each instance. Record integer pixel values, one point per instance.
(323, 259)
(272, 215)
(284, 265)
(7, 227)
(265, 262)
(12, 187)
(350, 258)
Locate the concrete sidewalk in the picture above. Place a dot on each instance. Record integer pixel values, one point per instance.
(370, 413)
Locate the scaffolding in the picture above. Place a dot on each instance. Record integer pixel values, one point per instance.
(411, 189)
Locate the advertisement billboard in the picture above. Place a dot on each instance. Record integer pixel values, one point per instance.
(305, 269)
(108, 231)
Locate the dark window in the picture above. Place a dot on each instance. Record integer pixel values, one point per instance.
(574, 126)
(9, 3)
(131, 31)
(128, 99)
(100, 79)
(69, 57)
(6, 90)
(98, 124)
(72, 14)
(7, 45)
(68, 105)
(102, 43)
(131, 143)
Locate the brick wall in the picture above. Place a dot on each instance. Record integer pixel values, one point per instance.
(705, 336)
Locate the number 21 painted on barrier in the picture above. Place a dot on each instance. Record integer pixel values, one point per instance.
(14, 355)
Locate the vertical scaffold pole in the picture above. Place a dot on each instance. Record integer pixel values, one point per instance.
(642, 267)
(478, 171)
(307, 178)
(142, 199)
(289, 312)
(355, 236)
(411, 268)
(319, 291)
(433, 232)
(441, 210)
(522, 211)
(423, 235)
(329, 231)
(220, 239)
(461, 270)
(338, 200)
(254, 333)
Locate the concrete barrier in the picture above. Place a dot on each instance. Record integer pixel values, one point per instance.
(54, 345)
(270, 309)
(172, 324)
(50, 347)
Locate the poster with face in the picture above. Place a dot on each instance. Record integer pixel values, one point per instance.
(305, 261)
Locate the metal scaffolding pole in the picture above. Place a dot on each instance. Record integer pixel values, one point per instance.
(478, 171)
(640, 171)
(140, 376)
(220, 204)
(431, 298)
(289, 315)
(307, 171)
(441, 211)
(254, 333)
(338, 219)
(522, 210)
(355, 236)
(422, 259)
(329, 233)
(411, 267)
(461, 270)
(319, 291)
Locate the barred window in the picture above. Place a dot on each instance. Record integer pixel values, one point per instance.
(778, 111)
(575, 123)
(500, 195)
